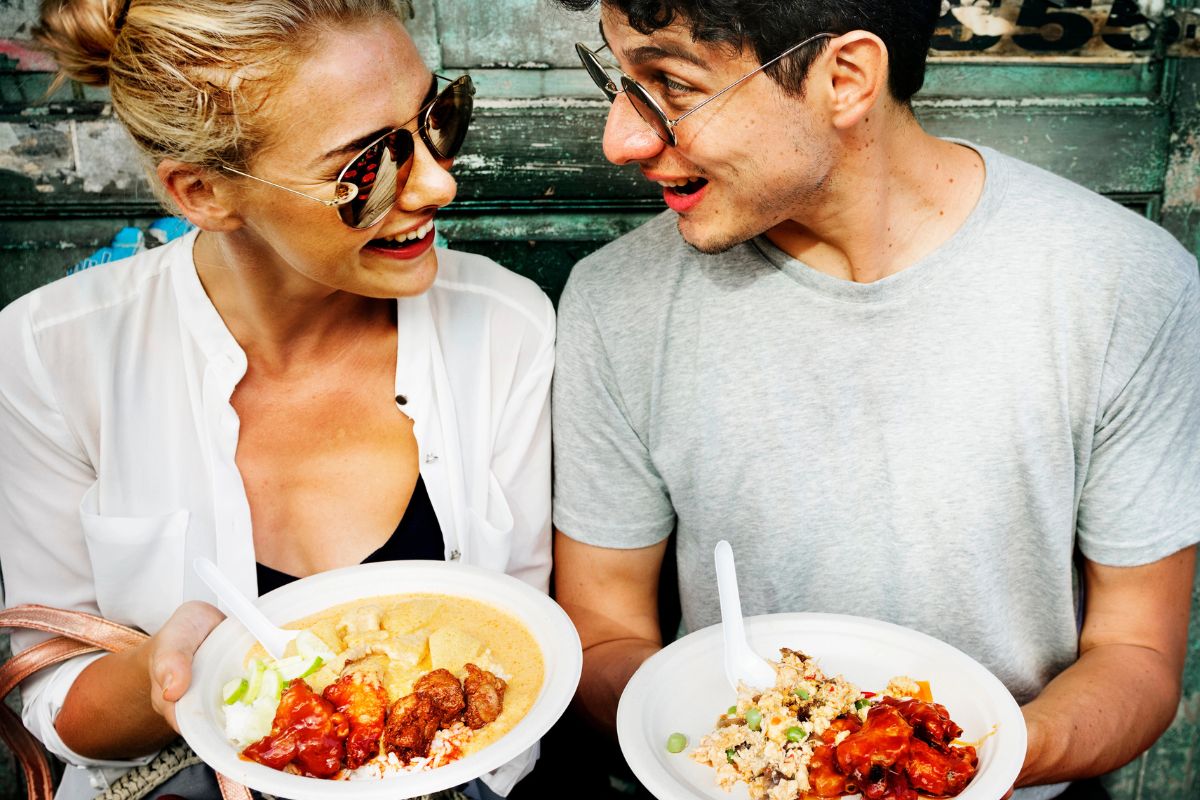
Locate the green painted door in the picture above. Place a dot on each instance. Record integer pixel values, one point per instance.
(1105, 93)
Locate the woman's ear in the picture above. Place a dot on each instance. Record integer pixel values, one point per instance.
(204, 199)
(858, 76)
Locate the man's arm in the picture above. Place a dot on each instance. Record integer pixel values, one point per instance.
(1122, 693)
(612, 597)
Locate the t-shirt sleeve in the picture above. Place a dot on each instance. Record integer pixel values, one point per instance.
(1140, 501)
(607, 491)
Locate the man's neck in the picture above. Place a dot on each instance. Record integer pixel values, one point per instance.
(895, 196)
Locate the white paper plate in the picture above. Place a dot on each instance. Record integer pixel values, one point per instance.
(220, 658)
(683, 688)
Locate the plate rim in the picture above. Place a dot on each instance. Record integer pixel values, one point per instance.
(645, 766)
(562, 659)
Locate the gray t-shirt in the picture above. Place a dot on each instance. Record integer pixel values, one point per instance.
(928, 449)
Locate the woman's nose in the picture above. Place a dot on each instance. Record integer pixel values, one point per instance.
(627, 137)
(429, 183)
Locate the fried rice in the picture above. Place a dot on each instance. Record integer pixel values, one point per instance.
(751, 742)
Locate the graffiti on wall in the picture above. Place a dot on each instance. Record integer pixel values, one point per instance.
(1066, 29)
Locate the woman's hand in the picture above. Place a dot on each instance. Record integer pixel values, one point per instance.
(106, 714)
(170, 653)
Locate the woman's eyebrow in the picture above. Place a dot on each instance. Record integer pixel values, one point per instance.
(353, 147)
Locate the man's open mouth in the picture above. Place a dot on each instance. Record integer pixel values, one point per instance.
(684, 188)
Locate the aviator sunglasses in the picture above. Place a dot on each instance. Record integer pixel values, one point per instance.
(644, 103)
(368, 185)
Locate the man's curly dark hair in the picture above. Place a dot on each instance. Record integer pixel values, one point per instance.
(771, 26)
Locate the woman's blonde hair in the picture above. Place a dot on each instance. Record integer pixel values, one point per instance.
(186, 76)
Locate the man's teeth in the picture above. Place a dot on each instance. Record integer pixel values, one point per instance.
(419, 233)
(675, 184)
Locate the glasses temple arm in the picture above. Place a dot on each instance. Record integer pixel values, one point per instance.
(329, 203)
(672, 123)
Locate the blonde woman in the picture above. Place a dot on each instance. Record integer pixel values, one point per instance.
(304, 383)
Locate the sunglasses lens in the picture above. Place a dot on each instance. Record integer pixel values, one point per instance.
(375, 174)
(449, 118)
(647, 109)
(597, 72)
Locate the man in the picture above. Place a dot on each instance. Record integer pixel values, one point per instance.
(908, 378)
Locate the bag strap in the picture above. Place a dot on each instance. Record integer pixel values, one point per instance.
(77, 633)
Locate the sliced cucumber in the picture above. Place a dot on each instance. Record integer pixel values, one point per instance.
(234, 690)
(256, 671)
(272, 686)
(309, 645)
(316, 664)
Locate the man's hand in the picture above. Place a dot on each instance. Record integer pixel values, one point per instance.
(612, 597)
(1123, 691)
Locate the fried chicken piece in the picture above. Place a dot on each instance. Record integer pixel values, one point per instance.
(485, 696)
(446, 693)
(306, 732)
(940, 774)
(823, 776)
(411, 725)
(930, 721)
(867, 754)
(359, 694)
(846, 722)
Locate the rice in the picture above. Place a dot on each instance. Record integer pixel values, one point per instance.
(447, 746)
(773, 766)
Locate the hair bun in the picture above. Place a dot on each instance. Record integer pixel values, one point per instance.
(80, 35)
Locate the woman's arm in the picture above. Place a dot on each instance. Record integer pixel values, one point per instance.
(134, 692)
(521, 459)
(104, 711)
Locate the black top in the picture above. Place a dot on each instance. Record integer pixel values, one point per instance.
(418, 536)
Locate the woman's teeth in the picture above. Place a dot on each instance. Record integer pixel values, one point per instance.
(419, 233)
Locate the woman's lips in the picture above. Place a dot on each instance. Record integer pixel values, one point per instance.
(409, 249)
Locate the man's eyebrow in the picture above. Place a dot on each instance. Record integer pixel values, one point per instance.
(640, 55)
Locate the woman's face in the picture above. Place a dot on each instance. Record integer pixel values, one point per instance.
(358, 83)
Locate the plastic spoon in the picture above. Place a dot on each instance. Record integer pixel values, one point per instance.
(742, 665)
(272, 638)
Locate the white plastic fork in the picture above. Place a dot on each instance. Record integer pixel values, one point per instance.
(742, 665)
(274, 639)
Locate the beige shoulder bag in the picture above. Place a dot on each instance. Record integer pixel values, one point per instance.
(77, 633)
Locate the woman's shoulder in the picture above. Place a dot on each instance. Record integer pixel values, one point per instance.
(476, 284)
(88, 298)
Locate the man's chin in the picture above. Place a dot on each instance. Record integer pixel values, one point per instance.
(710, 243)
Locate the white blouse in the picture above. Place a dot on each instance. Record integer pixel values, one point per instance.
(117, 443)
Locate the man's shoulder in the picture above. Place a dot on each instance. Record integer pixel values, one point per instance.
(1075, 212)
(1114, 246)
(635, 270)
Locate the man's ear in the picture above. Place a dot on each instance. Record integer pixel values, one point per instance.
(204, 199)
(857, 75)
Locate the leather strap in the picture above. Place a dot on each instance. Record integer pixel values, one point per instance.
(77, 633)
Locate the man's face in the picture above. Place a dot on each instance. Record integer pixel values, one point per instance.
(744, 163)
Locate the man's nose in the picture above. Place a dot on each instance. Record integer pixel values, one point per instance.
(627, 137)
